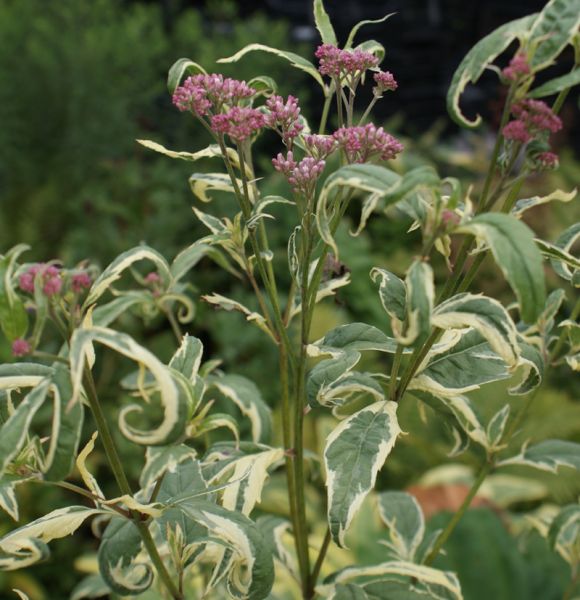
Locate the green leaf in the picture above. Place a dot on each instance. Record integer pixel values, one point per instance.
(478, 59)
(323, 24)
(162, 459)
(120, 264)
(251, 572)
(556, 85)
(461, 366)
(8, 500)
(13, 315)
(564, 534)
(14, 431)
(404, 518)
(201, 183)
(513, 247)
(554, 29)
(325, 373)
(120, 545)
(107, 313)
(355, 452)
(294, 59)
(247, 397)
(19, 375)
(531, 370)
(176, 407)
(188, 258)
(66, 431)
(179, 69)
(548, 455)
(485, 315)
(563, 262)
(187, 358)
(28, 544)
(420, 299)
(496, 426)
(563, 265)
(392, 292)
(355, 29)
(353, 337)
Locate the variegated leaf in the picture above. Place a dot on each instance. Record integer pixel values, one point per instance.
(478, 59)
(496, 427)
(515, 252)
(355, 452)
(521, 206)
(23, 375)
(564, 534)
(485, 315)
(393, 294)
(187, 358)
(120, 264)
(162, 459)
(548, 455)
(247, 397)
(8, 500)
(404, 518)
(180, 68)
(118, 555)
(92, 586)
(202, 183)
(530, 370)
(420, 299)
(323, 24)
(105, 314)
(563, 265)
(326, 372)
(28, 544)
(212, 151)
(175, 407)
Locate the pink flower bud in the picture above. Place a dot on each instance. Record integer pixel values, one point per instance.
(20, 347)
(517, 68)
(81, 281)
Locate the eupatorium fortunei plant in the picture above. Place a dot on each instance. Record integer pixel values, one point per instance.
(192, 526)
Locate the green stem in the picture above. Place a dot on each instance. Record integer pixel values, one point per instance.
(444, 535)
(571, 586)
(49, 356)
(174, 324)
(321, 556)
(395, 372)
(123, 483)
(325, 110)
(562, 338)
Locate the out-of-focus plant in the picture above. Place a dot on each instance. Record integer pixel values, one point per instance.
(187, 528)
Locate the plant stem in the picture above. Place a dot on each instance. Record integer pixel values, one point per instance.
(444, 535)
(321, 556)
(395, 372)
(123, 483)
(571, 587)
(325, 110)
(562, 338)
(174, 324)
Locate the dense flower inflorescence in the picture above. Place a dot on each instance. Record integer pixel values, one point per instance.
(81, 281)
(364, 143)
(201, 94)
(335, 62)
(20, 347)
(50, 277)
(319, 146)
(385, 82)
(534, 119)
(284, 117)
(302, 175)
(546, 160)
(238, 122)
(517, 68)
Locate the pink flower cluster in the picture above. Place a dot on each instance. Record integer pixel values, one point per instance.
(284, 117)
(385, 82)
(335, 62)
(363, 143)
(201, 93)
(319, 146)
(238, 122)
(546, 160)
(533, 118)
(81, 281)
(50, 277)
(518, 66)
(302, 175)
(20, 347)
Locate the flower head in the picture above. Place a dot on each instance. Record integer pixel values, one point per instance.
(303, 175)
(517, 68)
(364, 143)
(534, 120)
(238, 122)
(385, 82)
(335, 62)
(319, 146)
(81, 281)
(517, 131)
(50, 277)
(201, 93)
(284, 117)
(20, 347)
(546, 161)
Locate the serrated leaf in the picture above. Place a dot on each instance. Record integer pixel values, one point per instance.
(556, 85)
(181, 67)
(175, 406)
(403, 516)
(162, 459)
(485, 315)
(554, 29)
(355, 29)
(564, 534)
(548, 455)
(247, 397)
(513, 247)
(118, 564)
(294, 59)
(323, 24)
(26, 545)
(355, 452)
(120, 264)
(477, 60)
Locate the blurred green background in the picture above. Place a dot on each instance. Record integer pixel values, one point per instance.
(80, 81)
